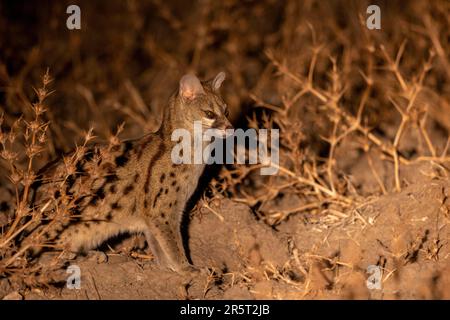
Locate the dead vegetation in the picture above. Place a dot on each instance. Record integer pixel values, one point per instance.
(361, 114)
(347, 109)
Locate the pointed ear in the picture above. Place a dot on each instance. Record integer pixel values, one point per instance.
(190, 87)
(217, 82)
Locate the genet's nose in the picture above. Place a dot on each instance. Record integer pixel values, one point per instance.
(227, 125)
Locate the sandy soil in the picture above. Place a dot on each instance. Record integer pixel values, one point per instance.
(406, 233)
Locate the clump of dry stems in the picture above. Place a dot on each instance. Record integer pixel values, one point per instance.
(341, 93)
(27, 222)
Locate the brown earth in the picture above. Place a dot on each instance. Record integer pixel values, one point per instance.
(406, 233)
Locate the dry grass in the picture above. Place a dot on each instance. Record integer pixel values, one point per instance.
(333, 97)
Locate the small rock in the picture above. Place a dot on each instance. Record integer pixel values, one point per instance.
(13, 296)
(98, 256)
(5, 287)
(102, 257)
(4, 283)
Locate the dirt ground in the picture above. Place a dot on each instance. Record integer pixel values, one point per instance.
(360, 207)
(406, 234)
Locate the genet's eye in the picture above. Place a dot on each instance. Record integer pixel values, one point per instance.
(210, 114)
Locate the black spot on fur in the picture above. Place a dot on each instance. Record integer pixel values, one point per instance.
(88, 155)
(156, 157)
(157, 196)
(69, 183)
(115, 206)
(174, 183)
(93, 201)
(166, 191)
(177, 189)
(128, 189)
(87, 225)
(128, 146)
(78, 201)
(161, 179)
(112, 177)
(136, 177)
(113, 189)
(57, 194)
(99, 194)
(121, 160)
(109, 216)
(145, 203)
(163, 214)
(172, 174)
(79, 168)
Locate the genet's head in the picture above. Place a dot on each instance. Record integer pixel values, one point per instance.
(201, 101)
